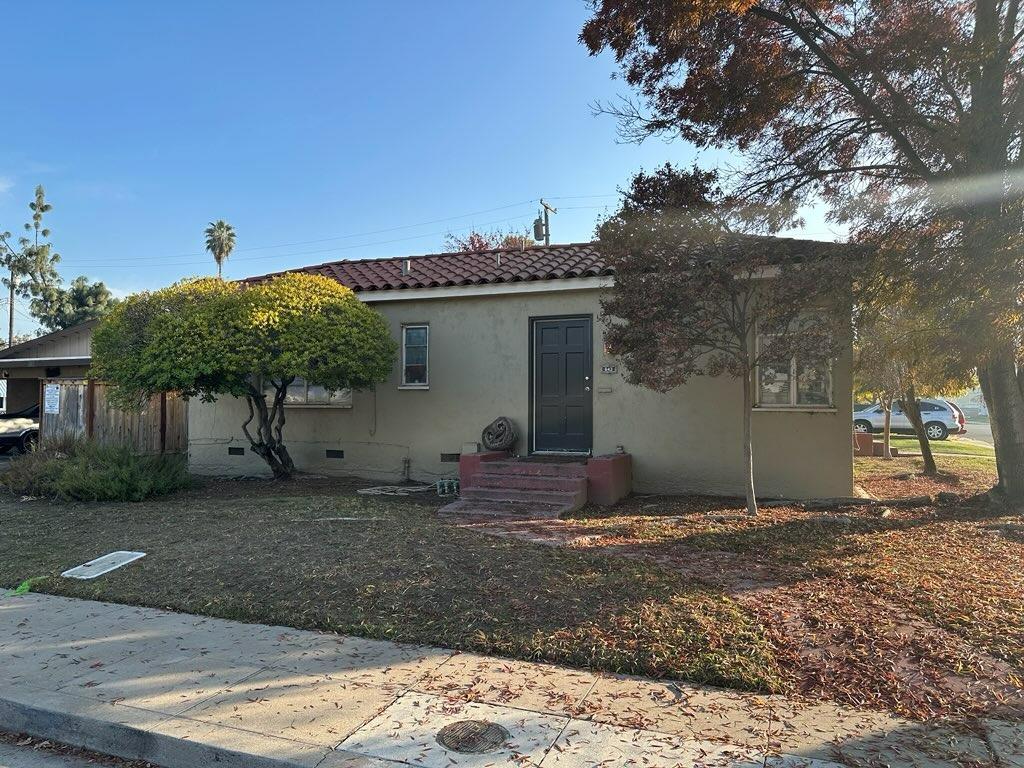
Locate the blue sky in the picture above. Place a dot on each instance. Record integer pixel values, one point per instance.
(320, 130)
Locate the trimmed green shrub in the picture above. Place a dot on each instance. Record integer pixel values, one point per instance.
(85, 471)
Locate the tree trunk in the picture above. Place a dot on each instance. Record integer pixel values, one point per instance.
(887, 428)
(748, 448)
(268, 442)
(278, 469)
(912, 408)
(1002, 390)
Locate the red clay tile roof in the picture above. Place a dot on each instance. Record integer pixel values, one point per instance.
(507, 265)
(515, 265)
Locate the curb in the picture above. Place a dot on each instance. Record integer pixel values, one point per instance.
(130, 743)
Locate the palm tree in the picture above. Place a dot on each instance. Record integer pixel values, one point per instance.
(220, 241)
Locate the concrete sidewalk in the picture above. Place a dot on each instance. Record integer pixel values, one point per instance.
(184, 691)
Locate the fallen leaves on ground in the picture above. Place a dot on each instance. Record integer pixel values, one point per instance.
(918, 611)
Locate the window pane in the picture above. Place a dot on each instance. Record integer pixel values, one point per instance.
(343, 397)
(415, 374)
(774, 383)
(317, 395)
(296, 392)
(813, 385)
(415, 355)
(415, 336)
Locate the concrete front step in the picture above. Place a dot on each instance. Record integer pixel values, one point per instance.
(569, 501)
(547, 469)
(502, 509)
(485, 479)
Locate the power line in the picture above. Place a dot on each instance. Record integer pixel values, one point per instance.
(381, 231)
(142, 259)
(583, 197)
(136, 262)
(5, 302)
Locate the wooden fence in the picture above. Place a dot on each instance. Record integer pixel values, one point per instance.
(84, 411)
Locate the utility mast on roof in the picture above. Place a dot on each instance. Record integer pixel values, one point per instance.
(542, 226)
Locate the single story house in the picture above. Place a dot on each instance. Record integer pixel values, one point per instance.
(517, 333)
(61, 354)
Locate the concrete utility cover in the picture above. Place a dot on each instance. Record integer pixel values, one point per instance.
(408, 730)
(472, 737)
(102, 565)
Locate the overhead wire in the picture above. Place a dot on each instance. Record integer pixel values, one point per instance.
(135, 261)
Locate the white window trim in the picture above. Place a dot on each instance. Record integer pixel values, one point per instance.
(794, 388)
(323, 406)
(426, 384)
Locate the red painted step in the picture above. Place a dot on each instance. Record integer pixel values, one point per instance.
(570, 501)
(528, 482)
(523, 489)
(552, 469)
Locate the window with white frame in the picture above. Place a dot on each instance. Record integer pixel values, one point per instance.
(794, 384)
(416, 356)
(301, 393)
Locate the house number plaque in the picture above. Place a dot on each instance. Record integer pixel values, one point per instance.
(609, 368)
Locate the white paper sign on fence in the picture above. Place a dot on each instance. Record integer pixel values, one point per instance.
(51, 398)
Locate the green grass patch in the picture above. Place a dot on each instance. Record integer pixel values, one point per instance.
(959, 445)
(256, 552)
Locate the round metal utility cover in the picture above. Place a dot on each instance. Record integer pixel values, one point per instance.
(472, 736)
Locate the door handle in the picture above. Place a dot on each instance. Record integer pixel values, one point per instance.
(586, 389)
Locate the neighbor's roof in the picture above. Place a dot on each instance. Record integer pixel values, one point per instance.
(514, 265)
(25, 348)
(503, 265)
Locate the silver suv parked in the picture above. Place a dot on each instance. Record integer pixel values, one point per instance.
(941, 419)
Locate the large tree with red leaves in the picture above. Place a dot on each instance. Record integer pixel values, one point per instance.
(904, 117)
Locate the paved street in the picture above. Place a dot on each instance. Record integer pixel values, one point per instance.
(206, 690)
(12, 756)
(980, 430)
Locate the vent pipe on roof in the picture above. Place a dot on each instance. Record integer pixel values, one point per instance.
(406, 266)
(498, 255)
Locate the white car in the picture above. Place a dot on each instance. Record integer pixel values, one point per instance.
(941, 419)
(19, 430)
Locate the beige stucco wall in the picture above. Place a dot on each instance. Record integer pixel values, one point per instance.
(685, 441)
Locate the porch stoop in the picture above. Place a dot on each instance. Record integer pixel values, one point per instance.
(495, 484)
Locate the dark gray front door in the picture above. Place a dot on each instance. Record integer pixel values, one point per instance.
(562, 383)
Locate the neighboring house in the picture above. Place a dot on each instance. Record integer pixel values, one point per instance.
(517, 333)
(61, 354)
